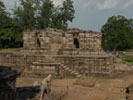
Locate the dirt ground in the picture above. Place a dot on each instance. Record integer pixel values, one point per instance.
(90, 88)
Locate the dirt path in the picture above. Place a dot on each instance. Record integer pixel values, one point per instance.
(103, 87)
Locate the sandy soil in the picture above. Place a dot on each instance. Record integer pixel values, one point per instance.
(102, 88)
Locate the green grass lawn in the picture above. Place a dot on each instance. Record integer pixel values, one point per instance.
(130, 50)
(128, 59)
(11, 50)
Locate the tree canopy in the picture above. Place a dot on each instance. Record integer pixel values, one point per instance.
(117, 33)
(41, 14)
(10, 35)
(67, 12)
(45, 14)
(25, 14)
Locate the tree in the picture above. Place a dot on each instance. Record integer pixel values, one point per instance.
(9, 34)
(25, 14)
(57, 19)
(117, 33)
(2, 7)
(42, 14)
(67, 11)
(45, 15)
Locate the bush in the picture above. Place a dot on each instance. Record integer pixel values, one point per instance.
(128, 59)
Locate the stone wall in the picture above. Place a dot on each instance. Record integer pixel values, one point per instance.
(29, 64)
(58, 39)
(17, 61)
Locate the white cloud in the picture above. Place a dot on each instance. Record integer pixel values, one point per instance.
(88, 3)
(129, 3)
(107, 4)
(98, 4)
(85, 4)
(10, 3)
(57, 2)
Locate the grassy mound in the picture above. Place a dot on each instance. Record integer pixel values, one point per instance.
(128, 59)
(6, 51)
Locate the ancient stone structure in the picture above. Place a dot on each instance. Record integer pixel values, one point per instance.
(57, 39)
(8, 83)
(74, 52)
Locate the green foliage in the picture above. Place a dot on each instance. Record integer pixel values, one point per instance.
(128, 59)
(2, 8)
(117, 34)
(62, 15)
(57, 19)
(41, 14)
(129, 50)
(25, 14)
(10, 35)
(10, 50)
(45, 15)
(67, 11)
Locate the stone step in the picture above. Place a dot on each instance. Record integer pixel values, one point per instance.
(78, 76)
(73, 72)
(76, 73)
(64, 67)
(44, 63)
(70, 70)
(67, 68)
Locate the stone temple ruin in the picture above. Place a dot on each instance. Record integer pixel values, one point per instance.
(65, 41)
(74, 52)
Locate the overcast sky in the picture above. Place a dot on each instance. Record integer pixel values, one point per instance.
(92, 14)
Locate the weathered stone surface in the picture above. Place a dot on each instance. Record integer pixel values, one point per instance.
(57, 39)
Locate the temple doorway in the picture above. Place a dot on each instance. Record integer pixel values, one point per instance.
(38, 43)
(76, 43)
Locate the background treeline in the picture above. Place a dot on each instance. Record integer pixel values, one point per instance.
(117, 34)
(29, 15)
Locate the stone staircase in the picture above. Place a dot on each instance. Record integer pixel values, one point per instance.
(73, 72)
(48, 60)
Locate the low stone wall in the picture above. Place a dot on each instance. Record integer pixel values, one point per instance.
(17, 61)
(29, 65)
(38, 69)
